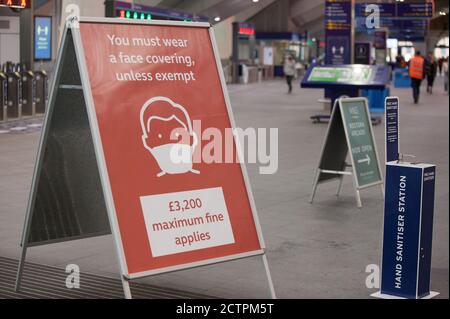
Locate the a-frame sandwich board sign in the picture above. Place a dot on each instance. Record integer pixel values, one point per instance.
(350, 133)
(106, 162)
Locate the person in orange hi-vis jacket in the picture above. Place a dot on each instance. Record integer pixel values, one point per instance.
(417, 74)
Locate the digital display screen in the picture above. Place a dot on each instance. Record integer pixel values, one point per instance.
(42, 38)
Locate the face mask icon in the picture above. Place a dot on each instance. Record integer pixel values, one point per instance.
(168, 135)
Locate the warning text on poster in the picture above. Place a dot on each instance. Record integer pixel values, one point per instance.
(186, 221)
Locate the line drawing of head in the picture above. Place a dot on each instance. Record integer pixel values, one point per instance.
(174, 156)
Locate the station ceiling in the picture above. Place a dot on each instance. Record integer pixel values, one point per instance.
(242, 9)
(303, 14)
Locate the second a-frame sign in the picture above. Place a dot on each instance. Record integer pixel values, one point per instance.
(349, 133)
(121, 145)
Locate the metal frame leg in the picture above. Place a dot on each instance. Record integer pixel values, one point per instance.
(24, 245)
(126, 288)
(20, 268)
(358, 198)
(269, 277)
(316, 179)
(357, 193)
(19, 117)
(340, 185)
(5, 114)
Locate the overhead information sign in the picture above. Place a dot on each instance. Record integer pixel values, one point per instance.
(172, 210)
(385, 9)
(418, 9)
(338, 31)
(408, 10)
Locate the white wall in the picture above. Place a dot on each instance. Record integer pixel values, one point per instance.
(223, 32)
(10, 40)
(87, 8)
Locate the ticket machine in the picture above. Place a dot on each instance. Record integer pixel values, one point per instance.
(14, 95)
(28, 91)
(41, 90)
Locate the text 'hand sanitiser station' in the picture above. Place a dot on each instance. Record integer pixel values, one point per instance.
(408, 219)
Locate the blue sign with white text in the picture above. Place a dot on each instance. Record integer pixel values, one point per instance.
(338, 31)
(362, 53)
(401, 231)
(408, 230)
(406, 10)
(426, 237)
(42, 38)
(392, 129)
(424, 9)
(385, 9)
(338, 50)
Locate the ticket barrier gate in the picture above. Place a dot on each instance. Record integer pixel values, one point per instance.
(28, 93)
(3, 93)
(14, 95)
(41, 89)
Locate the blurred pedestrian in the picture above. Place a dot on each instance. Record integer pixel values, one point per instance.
(400, 62)
(403, 63)
(289, 71)
(431, 71)
(440, 63)
(445, 70)
(417, 74)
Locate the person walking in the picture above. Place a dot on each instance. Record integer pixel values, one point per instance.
(440, 62)
(431, 72)
(417, 74)
(289, 71)
(445, 71)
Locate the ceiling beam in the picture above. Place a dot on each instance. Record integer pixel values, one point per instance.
(301, 7)
(253, 10)
(199, 6)
(151, 3)
(309, 14)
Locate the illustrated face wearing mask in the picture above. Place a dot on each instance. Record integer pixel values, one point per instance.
(168, 136)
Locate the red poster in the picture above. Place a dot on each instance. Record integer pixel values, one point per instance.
(157, 98)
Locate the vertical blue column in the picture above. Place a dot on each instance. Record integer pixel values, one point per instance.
(408, 230)
(426, 232)
(339, 39)
(338, 31)
(392, 128)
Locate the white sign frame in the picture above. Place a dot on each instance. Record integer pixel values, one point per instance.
(366, 105)
(356, 186)
(73, 25)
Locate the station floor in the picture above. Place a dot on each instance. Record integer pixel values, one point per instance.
(314, 251)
